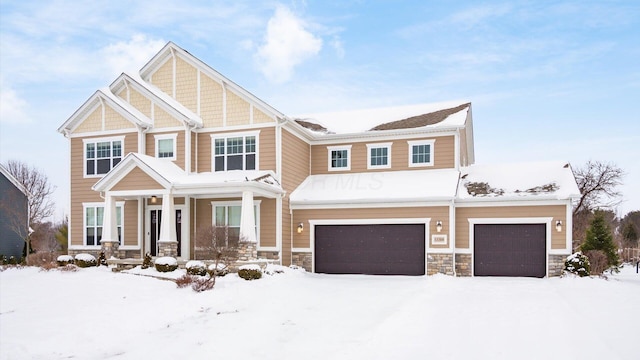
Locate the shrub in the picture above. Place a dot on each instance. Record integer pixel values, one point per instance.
(577, 264)
(85, 260)
(12, 260)
(68, 267)
(41, 258)
(146, 262)
(166, 264)
(598, 260)
(202, 284)
(3, 259)
(217, 270)
(63, 260)
(195, 267)
(184, 280)
(102, 259)
(250, 272)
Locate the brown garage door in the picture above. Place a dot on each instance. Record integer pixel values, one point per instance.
(380, 249)
(510, 250)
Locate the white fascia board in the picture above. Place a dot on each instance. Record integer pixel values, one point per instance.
(382, 135)
(494, 202)
(121, 170)
(373, 204)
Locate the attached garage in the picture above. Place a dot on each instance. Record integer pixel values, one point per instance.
(510, 250)
(373, 249)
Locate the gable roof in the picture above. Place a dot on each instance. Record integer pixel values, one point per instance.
(13, 180)
(165, 101)
(105, 96)
(171, 176)
(171, 48)
(424, 119)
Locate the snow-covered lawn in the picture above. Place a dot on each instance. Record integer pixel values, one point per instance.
(97, 314)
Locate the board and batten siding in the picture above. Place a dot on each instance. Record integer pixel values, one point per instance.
(81, 186)
(435, 213)
(444, 150)
(463, 214)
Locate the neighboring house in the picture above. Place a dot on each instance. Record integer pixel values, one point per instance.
(382, 191)
(14, 215)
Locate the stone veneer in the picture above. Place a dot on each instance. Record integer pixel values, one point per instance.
(247, 251)
(439, 264)
(556, 264)
(463, 264)
(168, 248)
(269, 255)
(302, 259)
(119, 254)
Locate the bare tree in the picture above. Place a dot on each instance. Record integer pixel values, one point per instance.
(41, 205)
(597, 182)
(215, 243)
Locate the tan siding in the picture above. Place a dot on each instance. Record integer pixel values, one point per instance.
(210, 102)
(136, 179)
(140, 102)
(287, 241)
(443, 150)
(193, 149)
(162, 119)
(180, 148)
(204, 152)
(187, 85)
(259, 117)
(303, 216)
(463, 214)
(92, 123)
(115, 121)
(130, 223)
(81, 186)
(180, 143)
(163, 77)
(464, 155)
(237, 110)
(267, 222)
(266, 149)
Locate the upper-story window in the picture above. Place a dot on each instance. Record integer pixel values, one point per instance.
(166, 146)
(235, 152)
(339, 157)
(421, 153)
(379, 156)
(101, 155)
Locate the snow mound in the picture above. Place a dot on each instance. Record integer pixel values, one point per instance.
(166, 260)
(85, 257)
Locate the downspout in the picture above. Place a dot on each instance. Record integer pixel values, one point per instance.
(452, 234)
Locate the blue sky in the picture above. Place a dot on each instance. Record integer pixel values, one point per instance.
(548, 80)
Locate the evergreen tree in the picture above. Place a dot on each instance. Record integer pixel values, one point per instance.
(630, 234)
(599, 237)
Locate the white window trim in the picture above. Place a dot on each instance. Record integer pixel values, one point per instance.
(174, 137)
(225, 136)
(378, 146)
(95, 141)
(256, 203)
(432, 155)
(339, 148)
(84, 222)
(438, 239)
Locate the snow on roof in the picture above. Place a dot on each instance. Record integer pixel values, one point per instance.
(377, 187)
(356, 121)
(535, 180)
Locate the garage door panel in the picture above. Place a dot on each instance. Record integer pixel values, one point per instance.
(377, 249)
(510, 250)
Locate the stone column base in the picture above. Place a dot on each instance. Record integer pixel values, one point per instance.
(463, 264)
(440, 264)
(556, 264)
(168, 248)
(303, 259)
(110, 248)
(247, 251)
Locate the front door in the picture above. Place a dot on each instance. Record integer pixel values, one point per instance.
(153, 232)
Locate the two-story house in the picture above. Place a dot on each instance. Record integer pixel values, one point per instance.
(383, 191)
(14, 215)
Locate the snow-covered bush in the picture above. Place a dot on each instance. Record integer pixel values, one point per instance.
(577, 264)
(196, 267)
(102, 259)
(218, 269)
(166, 264)
(272, 269)
(146, 262)
(202, 284)
(63, 260)
(250, 272)
(85, 260)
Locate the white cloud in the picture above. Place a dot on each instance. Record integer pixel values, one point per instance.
(130, 55)
(338, 46)
(287, 44)
(12, 106)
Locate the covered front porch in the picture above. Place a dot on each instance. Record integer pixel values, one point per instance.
(141, 190)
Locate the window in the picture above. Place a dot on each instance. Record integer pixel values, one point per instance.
(166, 146)
(379, 156)
(101, 155)
(93, 216)
(421, 153)
(339, 158)
(226, 216)
(236, 152)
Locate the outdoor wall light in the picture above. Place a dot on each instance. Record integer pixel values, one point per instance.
(438, 226)
(559, 225)
(300, 228)
(154, 199)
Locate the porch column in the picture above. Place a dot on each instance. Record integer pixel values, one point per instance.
(248, 246)
(109, 242)
(167, 243)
